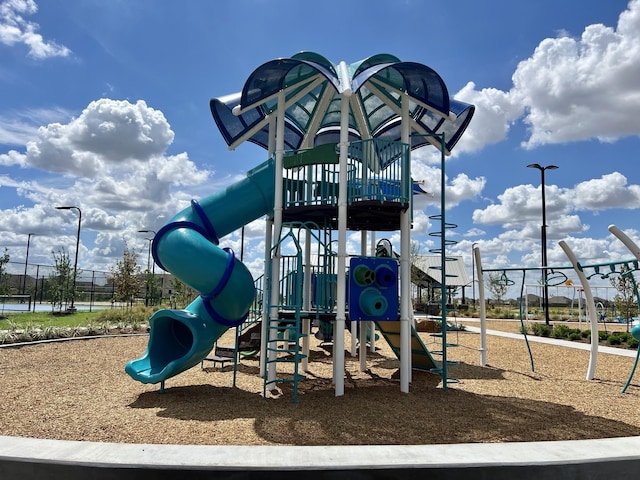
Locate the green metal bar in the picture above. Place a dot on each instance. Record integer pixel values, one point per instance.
(522, 327)
(563, 267)
(443, 261)
(635, 364)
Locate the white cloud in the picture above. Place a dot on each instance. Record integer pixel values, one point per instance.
(516, 206)
(520, 206)
(580, 88)
(570, 89)
(475, 232)
(608, 191)
(458, 189)
(520, 209)
(110, 138)
(19, 128)
(14, 29)
(115, 168)
(495, 112)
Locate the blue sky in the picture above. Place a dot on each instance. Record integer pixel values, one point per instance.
(104, 105)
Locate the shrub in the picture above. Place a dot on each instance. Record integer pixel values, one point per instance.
(575, 336)
(560, 331)
(614, 339)
(632, 342)
(132, 316)
(624, 336)
(541, 329)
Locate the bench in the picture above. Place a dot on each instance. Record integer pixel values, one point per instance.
(221, 354)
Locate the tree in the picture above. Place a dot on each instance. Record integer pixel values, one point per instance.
(4, 277)
(417, 275)
(151, 288)
(183, 294)
(625, 299)
(126, 278)
(497, 286)
(58, 286)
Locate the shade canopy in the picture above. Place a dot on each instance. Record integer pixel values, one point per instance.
(313, 87)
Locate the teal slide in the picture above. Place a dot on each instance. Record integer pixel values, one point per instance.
(188, 248)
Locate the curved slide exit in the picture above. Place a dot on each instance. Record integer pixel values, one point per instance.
(188, 248)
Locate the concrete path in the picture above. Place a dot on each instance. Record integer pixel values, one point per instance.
(555, 341)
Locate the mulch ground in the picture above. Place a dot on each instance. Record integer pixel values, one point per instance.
(78, 390)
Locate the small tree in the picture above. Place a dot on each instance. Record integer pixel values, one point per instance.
(60, 279)
(126, 278)
(416, 277)
(152, 289)
(625, 300)
(183, 294)
(4, 277)
(497, 286)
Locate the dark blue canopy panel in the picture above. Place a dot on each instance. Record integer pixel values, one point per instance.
(312, 87)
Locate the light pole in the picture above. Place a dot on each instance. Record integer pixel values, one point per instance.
(150, 269)
(75, 263)
(26, 262)
(543, 234)
(473, 273)
(153, 267)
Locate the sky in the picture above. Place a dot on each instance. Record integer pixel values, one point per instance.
(105, 106)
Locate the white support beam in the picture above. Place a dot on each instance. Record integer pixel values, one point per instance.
(405, 271)
(593, 317)
(338, 334)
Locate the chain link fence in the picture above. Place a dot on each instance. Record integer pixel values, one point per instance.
(30, 287)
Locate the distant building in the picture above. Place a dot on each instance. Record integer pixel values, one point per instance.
(426, 276)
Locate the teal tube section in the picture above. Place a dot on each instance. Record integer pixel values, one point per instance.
(188, 248)
(372, 303)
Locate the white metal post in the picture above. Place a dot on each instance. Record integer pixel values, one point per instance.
(405, 270)
(483, 309)
(277, 228)
(593, 357)
(264, 328)
(338, 334)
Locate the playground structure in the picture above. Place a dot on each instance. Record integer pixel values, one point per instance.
(178, 338)
(555, 277)
(339, 139)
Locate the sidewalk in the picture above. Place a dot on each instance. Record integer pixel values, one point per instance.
(554, 341)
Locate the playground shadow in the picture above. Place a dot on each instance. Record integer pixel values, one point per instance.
(373, 412)
(475, 372)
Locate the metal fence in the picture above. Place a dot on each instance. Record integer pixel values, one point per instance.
(28, 286)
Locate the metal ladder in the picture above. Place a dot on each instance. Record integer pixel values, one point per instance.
(284, 329)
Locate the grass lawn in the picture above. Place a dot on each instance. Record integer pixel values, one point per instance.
(21, 320)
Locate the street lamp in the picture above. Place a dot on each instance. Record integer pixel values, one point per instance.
(26, 262)
(473, 273)
(153, 267)
(543, 234)
(75, 264)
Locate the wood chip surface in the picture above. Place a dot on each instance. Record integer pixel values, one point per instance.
(78, 390)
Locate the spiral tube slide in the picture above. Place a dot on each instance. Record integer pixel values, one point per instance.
(188, 248)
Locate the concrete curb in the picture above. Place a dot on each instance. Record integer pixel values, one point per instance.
(27, 458)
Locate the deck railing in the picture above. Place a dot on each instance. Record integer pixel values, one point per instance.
(377, 170)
